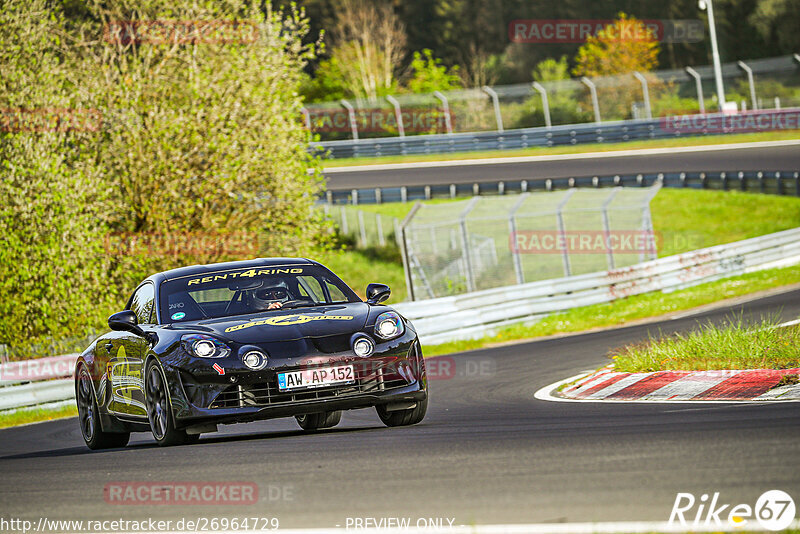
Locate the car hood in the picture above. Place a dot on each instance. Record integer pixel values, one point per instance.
(285, 325)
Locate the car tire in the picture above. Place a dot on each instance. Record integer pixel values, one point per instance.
(316, 421)
(411, 416)
(159, 409)
(89, 417)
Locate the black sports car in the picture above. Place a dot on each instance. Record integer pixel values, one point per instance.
(242, 341)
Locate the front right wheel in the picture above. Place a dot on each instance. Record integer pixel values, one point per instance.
(410, 416)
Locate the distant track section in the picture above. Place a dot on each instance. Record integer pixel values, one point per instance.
(739, 156)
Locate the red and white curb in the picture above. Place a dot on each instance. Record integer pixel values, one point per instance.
(674, 386)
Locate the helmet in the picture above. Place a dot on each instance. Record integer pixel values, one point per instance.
(264, 296)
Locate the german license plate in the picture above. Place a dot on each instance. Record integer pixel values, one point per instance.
(314, 378)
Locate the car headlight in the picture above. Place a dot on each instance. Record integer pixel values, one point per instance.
(204, 346)
(255, 360)
(389, 325)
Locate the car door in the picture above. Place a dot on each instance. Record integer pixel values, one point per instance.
(127, 353)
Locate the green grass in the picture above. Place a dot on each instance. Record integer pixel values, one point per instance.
(629, 309)
(579, 149)
(35, 415)
(359, 268)
(693, 219)
(734, 345)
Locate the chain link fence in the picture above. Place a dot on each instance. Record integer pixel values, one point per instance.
(488, 242)
(366, 229)
(775, 84)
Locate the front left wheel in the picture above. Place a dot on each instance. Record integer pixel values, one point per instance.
(159, 410)
(89, 417)
(316, 421)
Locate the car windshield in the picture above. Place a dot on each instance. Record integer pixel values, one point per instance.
(242, 291)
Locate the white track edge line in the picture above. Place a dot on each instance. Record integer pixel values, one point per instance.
(560, 157)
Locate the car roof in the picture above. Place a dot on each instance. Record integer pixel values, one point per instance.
(214, 267)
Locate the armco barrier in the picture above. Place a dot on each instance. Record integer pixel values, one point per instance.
(571, 134)
(483, 312)
(476, 314)
(783, 182)
(34, 382)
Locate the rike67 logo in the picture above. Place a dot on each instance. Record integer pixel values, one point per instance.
(774, 510)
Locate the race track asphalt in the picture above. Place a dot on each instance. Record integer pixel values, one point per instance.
(777, 158)
(487, 453)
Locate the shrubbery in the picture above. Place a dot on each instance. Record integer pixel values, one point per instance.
(198, 138)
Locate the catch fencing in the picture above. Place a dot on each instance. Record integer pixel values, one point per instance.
(486, 242)
(482, 313)
(547, 113)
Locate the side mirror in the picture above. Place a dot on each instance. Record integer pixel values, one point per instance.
(377, 293)
(126, 322)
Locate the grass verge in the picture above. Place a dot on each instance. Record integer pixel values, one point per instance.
(35, 415)
(629, 309)
(733, 345)
(571, 149)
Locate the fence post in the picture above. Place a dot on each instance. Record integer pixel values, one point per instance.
(545, 104)
(398, 115)
(307, 117)
(742, 65)
(593, 90)
(512, 226)
(496, 103)
(699, 84)
(401, 226)
(362, 229)
(645, 93)
(562, 230)
(379, 224)
(465, 244)
(343, 214)
(351, 113)
(607, 227)
(446, 107)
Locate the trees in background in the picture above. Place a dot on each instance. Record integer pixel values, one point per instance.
(474, 33)
(197, 137)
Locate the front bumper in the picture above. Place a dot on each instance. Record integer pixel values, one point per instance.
(395, 374)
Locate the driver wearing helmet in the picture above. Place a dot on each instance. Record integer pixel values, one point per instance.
(271, 297)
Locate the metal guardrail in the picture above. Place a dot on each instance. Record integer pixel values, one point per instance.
(481, 313)
(571, 134)
(34, 382)
(30, 383)
(769, 182)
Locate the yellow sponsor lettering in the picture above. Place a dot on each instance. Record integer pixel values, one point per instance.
(286, 320)
(244, 274)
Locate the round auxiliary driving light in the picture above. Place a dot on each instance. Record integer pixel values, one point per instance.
(255, 360)
(363, 347)
(204, 348)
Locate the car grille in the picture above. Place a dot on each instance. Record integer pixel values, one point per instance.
(268, 394)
